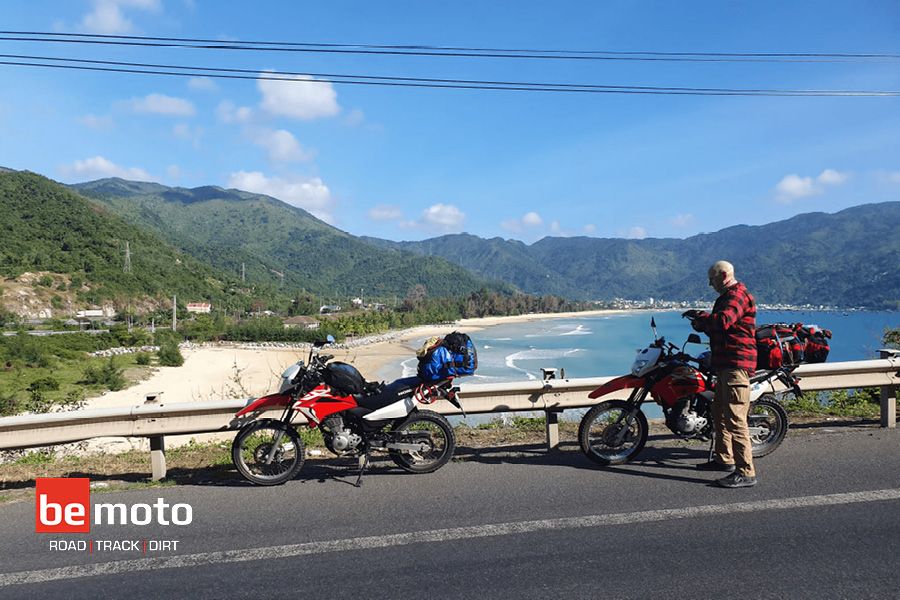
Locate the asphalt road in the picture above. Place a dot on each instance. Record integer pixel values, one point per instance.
(824, 522)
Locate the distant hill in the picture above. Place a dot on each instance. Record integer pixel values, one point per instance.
(849, 258)
(226, 228)
(48, 228)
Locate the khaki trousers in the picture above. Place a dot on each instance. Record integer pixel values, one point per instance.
(730, 410)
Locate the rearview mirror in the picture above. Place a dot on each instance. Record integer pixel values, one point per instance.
(694, 339)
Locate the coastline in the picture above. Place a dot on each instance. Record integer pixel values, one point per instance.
(239, 371)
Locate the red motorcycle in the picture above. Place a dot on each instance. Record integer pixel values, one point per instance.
(615, 431)
(354, 417)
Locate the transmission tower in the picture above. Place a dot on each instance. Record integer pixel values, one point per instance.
(127, 267)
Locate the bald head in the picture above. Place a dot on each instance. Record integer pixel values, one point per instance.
(721, 276)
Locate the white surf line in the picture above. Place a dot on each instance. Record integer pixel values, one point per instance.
(436, 535)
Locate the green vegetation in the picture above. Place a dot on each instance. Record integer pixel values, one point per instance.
(39, 372)
(169, 354)
(49, 229)
(108, 376)
(892, 338)
(275, 244)
(864, 403)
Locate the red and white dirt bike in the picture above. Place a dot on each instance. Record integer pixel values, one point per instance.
(615, 431)
(355, 417)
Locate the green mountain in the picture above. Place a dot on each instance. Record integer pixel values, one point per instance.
(276, 243)
(848, 259)
(48, 228)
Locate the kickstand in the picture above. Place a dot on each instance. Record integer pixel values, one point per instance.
(712, 442)
(363, 465)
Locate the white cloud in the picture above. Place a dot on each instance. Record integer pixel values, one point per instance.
(281, 145)
(161, 104)
(97, 122)
(107, 16)
(636, 233)
(888, 176)
(300, 98)
(202, 84)
(99, 167)
(310, 194)
(532, 219)
(529, 219)
(443, 216)
(229, 113)
(793, 187)
(385, 212)
(173, 172)
(556, 228)
(682, 220)
(831, 177)
(590, 229)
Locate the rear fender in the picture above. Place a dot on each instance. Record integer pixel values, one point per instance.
(265, 403)
(619, 383)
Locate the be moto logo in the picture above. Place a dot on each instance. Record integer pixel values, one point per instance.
(63, 505)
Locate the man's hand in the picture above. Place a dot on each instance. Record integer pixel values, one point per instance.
(691, 314)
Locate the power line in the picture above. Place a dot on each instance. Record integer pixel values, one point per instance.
(447, 51)
(417, 82)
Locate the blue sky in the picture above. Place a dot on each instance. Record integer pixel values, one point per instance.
(414, 163)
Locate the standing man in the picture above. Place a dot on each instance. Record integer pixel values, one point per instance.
(731, 327)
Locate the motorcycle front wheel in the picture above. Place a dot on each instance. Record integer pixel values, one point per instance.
(267, 452)
(431, 429)
(768, 423)
(606, 437)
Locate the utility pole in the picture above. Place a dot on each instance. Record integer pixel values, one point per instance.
(174, 312)
(127, 268)
(243, 273)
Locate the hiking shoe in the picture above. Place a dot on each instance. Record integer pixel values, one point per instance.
(736, 480)
(714, 465)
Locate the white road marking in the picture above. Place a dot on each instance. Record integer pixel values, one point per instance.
(436, 535)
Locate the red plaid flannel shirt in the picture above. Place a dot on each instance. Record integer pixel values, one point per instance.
(731, 328)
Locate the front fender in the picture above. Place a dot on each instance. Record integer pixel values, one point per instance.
(265, 403)
(619, 383)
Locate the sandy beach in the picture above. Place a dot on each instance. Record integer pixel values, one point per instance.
(228, 371)
(241, 371)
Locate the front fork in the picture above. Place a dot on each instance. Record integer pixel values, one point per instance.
(286, 417)
(636, 399)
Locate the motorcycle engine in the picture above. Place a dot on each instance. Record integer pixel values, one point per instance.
(345, 440)
(690, 422)
(682, 419)
(339, 439)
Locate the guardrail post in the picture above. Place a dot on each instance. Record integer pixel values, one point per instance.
(158, 457)
(888, 398)
(552, 418)
(888, 406)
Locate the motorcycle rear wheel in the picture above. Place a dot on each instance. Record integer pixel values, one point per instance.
(769, 424)
(600, 428)
(253, 444)
(431, 428)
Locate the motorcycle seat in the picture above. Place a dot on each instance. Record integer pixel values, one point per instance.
(389, 394)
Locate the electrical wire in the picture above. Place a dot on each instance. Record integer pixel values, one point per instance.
(447, 51)
(291, 76)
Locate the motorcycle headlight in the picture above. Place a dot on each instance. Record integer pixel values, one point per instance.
(638, 365)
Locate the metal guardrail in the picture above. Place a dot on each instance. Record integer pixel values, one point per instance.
(157, 420)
